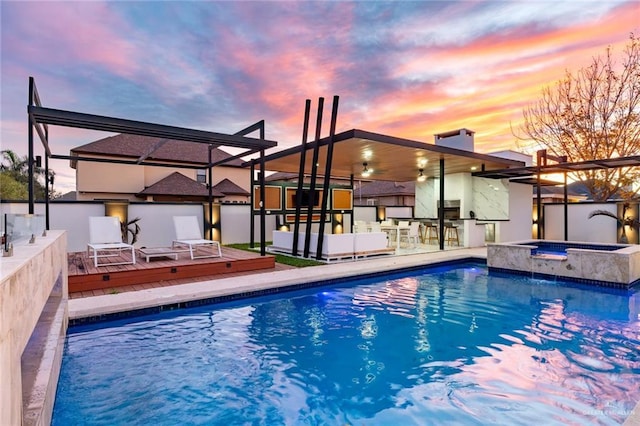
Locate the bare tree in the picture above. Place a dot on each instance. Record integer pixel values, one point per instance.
(592, 115)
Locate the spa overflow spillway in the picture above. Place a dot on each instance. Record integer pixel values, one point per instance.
(608, 265)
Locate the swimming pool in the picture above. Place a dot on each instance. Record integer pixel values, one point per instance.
(451, 345)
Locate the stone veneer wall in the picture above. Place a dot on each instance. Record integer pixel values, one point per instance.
(621, 266)
(33, 325)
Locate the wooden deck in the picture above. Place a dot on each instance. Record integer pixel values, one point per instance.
(83, 276)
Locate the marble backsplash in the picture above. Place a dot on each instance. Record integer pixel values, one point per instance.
(491, 198)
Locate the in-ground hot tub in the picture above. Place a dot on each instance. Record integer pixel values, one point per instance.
(610, 265)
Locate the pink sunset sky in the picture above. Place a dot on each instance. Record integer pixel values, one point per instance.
(406, 69)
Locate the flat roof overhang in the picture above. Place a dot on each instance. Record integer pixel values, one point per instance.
(390, 158)
(524, 172)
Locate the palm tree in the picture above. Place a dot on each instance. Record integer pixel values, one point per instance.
(18, 169)
(13, 164)
(131, 227)
(623, 221)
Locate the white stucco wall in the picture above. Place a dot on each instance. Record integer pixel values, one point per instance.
(235, 224)
(156, 222)
(518, 227)
(599, 229)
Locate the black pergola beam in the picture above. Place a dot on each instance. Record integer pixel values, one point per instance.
(252, 128)
(42, 131)
(58, 117)
(235, 157)
(611, 163)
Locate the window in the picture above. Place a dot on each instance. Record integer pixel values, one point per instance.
(201, 176)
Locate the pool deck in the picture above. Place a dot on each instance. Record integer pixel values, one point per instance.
(94, 306)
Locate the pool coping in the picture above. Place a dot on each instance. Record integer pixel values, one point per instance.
(108, 306)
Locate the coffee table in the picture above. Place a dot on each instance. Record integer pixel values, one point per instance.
(150, 252)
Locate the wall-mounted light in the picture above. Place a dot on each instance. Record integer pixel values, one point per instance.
(421, 176)
(366, 171)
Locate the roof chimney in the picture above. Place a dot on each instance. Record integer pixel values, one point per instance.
(458, 139)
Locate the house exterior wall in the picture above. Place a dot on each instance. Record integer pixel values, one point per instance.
(154, 174)
(95, 181)
(239, 176)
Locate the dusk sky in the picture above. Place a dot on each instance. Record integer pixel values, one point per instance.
(406, 69)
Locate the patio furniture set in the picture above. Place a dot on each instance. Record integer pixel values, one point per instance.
(413, 232)
(335, 246)
(105, 240)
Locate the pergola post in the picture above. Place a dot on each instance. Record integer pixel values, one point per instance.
(30, 150)
(312, 184)
(252, 201)
(441, 207)
(46, 188)
(303, 159)
(263, 213)
(327, 176)
(210, 196)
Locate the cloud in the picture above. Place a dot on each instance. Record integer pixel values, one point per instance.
(55, 34)
(409, 69)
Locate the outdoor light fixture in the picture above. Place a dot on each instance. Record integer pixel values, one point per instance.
(366, 172)
(421, 176)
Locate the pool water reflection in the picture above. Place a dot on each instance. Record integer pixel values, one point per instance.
(452, 345)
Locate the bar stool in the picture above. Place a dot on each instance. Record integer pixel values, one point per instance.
(451, 234)
(432, 233)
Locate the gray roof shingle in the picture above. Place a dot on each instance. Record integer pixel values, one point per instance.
(135, 146)
(227, 187)
(177, 184)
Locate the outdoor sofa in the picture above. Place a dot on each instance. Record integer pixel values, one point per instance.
(335, 246)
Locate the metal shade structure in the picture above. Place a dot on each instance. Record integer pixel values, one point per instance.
(522, 172)
(348, 154)
(388, 158)
(532, 174)
(40, 118)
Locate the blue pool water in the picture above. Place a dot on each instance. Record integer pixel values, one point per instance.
(450, 346)
(560, 247)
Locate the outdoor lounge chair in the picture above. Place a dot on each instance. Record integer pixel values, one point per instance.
(105, 240)
(188, 235)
